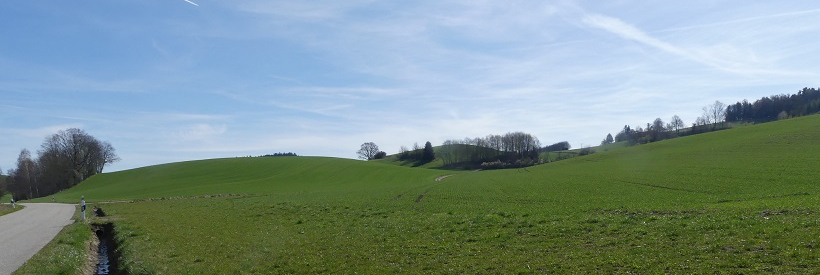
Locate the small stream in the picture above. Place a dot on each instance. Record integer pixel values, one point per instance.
(106, 251)
(104, 265)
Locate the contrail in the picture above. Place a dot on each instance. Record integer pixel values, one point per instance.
(191, 2)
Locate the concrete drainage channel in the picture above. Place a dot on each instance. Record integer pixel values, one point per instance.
(107, 250)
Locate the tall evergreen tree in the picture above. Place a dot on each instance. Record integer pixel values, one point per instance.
(428, 155)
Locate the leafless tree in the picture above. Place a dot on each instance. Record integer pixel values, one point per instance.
(676, 124)
(715, 113)
(25, 176)
(368, 150)
(71, 156)
(64, 159)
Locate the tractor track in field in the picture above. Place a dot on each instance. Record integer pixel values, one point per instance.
(438, 179)
(421, 196)
(664, 187)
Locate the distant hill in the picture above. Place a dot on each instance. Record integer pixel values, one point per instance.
(261, 175)
(736, 157)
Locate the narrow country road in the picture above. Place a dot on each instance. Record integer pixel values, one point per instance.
(25, 232)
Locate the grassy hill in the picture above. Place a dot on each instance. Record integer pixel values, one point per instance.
(744, 200)
(268, 175)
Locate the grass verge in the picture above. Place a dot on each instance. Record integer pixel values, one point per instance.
(7, 209)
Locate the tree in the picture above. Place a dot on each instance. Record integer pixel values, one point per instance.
(608, 140)
(24, 178)
(380, 155)
(104, 154)
(657, 130)
(404, 154)
(676, 124)
(716, 113)
(559, 146)
(428, 155)
(64, 160)
(368, 150)
(72, 155)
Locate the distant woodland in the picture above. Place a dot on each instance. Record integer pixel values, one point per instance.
(518, 149)
(805, 102)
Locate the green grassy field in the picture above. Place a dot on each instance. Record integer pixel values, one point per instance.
(745, 200)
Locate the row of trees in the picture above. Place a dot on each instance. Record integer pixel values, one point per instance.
(420, 155)
(64, 160)
(712, 119)
(280, 154)
(716, 116)
(805, 102)
(370, 151)
(507, 148)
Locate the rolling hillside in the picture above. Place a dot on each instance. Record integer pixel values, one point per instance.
(744, 200)
(263, 175)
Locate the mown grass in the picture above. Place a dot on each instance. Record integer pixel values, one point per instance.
(66, 254)
(738, 201)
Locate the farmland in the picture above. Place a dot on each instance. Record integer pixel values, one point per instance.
(745, 200)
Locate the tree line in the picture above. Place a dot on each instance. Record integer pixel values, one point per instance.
(280, 154)
(718, 115)
(419, 155)
(518, 149)
(712, 119)
(370, 151)
(64, 160)
(804, 102)
(514, 149)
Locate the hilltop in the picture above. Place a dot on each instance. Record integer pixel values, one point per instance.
(261, 175)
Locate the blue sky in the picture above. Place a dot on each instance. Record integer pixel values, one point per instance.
(173, 80)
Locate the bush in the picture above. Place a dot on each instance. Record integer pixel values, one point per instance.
(586, 151)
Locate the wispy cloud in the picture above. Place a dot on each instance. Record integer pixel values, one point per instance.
(725, 57)
(745, 20)
(191, 2)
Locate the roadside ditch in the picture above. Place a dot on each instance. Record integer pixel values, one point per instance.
(107, 250)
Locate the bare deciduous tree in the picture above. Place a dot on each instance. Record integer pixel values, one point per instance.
(25, 176)
(64, 160)
(368, 150)
(715, 113)
(676, 124)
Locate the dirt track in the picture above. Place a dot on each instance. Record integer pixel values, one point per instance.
(25, 232)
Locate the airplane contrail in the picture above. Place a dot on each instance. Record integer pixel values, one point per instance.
(191, 2)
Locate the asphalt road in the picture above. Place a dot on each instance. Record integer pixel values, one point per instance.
(25, 232)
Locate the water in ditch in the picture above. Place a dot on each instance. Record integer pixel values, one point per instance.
(106, 256)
